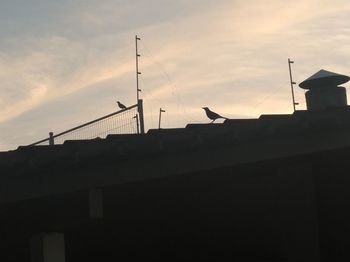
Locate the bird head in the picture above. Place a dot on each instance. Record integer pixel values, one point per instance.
(205, 108)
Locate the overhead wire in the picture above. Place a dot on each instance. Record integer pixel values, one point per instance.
(173, 87)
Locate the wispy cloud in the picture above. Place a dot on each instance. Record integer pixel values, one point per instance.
(60, 60)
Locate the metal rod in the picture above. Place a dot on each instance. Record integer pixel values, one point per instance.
(137, 68)
(292, 83)
(51, 139)
(138, 90)
(83, 125)
(160, 116)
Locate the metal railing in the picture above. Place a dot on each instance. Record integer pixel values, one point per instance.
(126, 121)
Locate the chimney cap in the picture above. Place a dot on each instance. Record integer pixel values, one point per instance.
(324, 78)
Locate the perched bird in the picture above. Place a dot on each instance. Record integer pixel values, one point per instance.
(121, 105)
(212, 115)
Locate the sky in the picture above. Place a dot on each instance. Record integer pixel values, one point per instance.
(66, 62)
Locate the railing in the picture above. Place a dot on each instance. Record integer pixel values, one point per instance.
(125, 121)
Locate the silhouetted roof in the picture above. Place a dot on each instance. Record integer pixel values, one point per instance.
(79, 164)
(195, 137)
(324, 78)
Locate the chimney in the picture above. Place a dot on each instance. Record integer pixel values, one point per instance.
(324, 90)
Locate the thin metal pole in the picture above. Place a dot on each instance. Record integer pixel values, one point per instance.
(138, 90)
(140, 110)
(137, 68)
(292, 83)
(51, 139)
(160, 116)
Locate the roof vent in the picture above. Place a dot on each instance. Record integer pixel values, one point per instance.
(324, 90)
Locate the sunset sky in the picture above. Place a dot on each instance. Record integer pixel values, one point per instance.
(66, 62)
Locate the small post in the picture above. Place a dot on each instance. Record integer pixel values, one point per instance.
(160, 116)
(51, 139)
(140, 110)
(292, 83)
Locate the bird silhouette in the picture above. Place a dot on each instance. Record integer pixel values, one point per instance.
(212, 115)
(121, 105)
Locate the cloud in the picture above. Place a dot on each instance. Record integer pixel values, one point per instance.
(63, 59)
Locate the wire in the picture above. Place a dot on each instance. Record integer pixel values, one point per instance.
(173, 87)
(267, 97)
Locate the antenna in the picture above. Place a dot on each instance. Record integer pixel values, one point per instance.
(292, 83)
(137, 67)
(138, 90)
(160, 116)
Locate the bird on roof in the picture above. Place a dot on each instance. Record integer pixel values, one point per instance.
(121, 106)
(212, 115)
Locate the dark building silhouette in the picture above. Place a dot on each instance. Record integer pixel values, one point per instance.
(269, 189)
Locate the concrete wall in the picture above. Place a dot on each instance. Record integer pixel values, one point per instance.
(291, 209)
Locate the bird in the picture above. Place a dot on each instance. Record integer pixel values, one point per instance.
(212, 115)
(121, 105)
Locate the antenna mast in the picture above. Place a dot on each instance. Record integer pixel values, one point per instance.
(138, 90)
(292, 83)
(137, 68)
